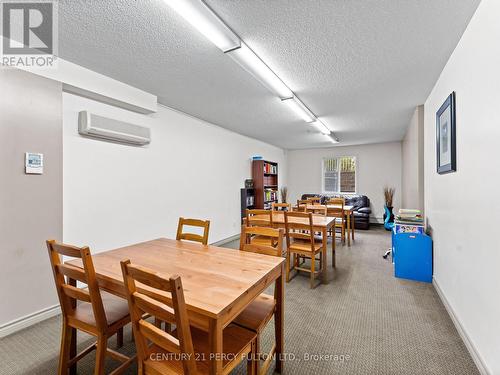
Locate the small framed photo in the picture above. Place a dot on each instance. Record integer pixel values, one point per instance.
(446, 145)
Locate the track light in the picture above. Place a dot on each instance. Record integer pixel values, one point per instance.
(202, 18)
(300, 109)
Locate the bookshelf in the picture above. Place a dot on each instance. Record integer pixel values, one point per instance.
(247, 201)
(265, 182)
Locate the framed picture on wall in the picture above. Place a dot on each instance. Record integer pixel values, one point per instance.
(446, 145)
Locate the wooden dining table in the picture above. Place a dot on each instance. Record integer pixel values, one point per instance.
(218, 283)
(321, 224)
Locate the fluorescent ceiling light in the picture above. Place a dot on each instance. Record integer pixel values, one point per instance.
(321, 127)
(255, 66)
(300, 109)
(332, 137)
(199, 15)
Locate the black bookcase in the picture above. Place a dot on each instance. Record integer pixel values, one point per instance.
(247, 200)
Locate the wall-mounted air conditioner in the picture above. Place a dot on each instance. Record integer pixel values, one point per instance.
(92, 125)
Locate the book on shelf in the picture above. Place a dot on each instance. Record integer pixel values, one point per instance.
(270, 195)
(270, 168)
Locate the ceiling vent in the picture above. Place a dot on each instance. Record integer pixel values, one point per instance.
(91, 125)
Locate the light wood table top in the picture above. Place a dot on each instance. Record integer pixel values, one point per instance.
(213, 278)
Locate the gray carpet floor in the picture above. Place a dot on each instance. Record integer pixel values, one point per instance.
(364, 321)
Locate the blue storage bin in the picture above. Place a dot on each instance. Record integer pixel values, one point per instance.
(412, 256)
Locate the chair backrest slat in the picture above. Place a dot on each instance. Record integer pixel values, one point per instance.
(283, 206)
(181, 235)
(140, 302)
(259, 218)
(76, 293)
(159, 337)
(154, 308)
(317, 209)
(72, 272)
(148, 278)
(275, 237)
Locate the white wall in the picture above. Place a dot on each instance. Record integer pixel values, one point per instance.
(378, 165)
(463, 207)
(116, 195)
(412, 172)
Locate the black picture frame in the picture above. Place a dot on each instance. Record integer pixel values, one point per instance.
(446, 148)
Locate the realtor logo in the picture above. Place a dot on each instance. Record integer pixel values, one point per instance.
(29, 33)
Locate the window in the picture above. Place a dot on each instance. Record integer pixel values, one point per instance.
(339, 175)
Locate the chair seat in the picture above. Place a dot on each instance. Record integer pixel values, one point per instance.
(257, 314)
(115, 308)
(305, 246)
(235, 340)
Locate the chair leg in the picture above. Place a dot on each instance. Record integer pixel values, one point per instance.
(100, 355)
(119, 338)
(313, 261)
(257, 355)
(64, 355)
(288, 266)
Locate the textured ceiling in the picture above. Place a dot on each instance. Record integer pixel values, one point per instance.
(360, 65)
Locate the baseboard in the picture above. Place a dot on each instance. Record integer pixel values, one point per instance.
(28, 320)
(476, 357)
(226, 240)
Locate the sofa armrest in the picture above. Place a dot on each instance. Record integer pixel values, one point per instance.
(365, 210)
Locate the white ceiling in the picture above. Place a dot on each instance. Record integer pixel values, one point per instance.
(360, 65)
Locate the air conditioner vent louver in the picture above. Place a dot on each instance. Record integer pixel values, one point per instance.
(95, 126)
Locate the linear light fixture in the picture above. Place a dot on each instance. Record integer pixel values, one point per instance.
(300, 109)
(321, 127)
(332, 137)
(202, 18)
(258, 68)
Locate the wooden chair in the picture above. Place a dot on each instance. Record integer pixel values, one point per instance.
(301, 243)
(314, 200)
(338, 213)
(282, 206)
(99, 314)
(316, 209)
(260, 218)
(256, 316)
(181, 235)
(301, 204)
(186, 350)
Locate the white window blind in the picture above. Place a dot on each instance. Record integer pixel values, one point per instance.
(339, 175)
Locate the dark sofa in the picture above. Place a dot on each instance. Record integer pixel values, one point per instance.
(361, 205)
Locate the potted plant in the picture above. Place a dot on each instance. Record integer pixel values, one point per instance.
(284, 194)
(388, 214)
